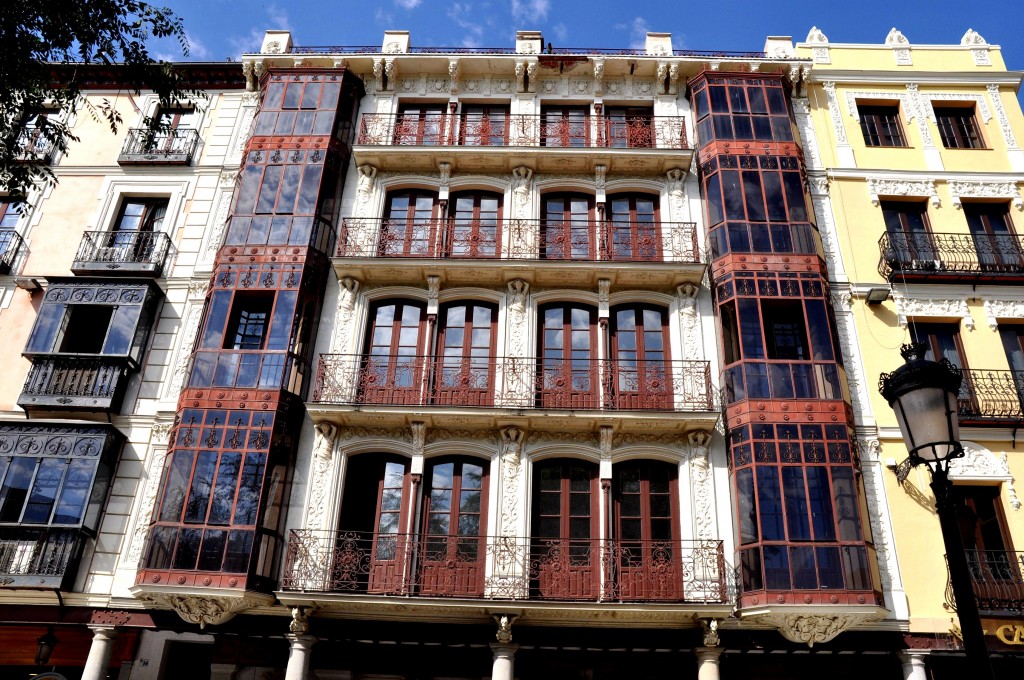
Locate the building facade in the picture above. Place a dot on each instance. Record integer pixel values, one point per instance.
(917, 176)
(402, 362)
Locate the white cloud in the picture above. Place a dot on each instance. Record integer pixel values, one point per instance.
(196, 49)
(460, 14)
(561, 32)
(638, 29)
(408, 4)
(277, 19)
(530, 10)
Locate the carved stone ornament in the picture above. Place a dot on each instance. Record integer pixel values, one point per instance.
(972, 37)
(711, 638)
(513, 439)
(816, 36)
(909, 111)
(835, 114)
(980, 464)
(1003, 309)
(918, 307)
(208, 610)
(896, 37)
(979, 99)
(419, 437)
(894, 186)
(1000, 111)
(299, 624)
(504, 621)
(812, 629)
(961, 188)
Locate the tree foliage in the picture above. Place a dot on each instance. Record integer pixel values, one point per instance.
(46, 49)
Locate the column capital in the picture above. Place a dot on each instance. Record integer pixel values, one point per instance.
(708, 653)
(504, 649)
(103, 631)
(301, 641)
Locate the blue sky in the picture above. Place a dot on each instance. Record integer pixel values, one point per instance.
(219, 29)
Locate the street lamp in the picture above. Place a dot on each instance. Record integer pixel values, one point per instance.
(47, 641)
(924, 395)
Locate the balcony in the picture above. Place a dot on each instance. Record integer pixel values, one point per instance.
(505, 568)
(33, 147)
(950, 257)
(74, 382)
(39, 557)
(556, 252)
(550, 143)
(176, 146)
(484, 390)
(128, 253)
(997, 577)
(10, 247)
(991, 397)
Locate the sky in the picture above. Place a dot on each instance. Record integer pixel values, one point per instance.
(225, 29)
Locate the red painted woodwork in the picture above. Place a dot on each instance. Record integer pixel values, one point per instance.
(564, 554)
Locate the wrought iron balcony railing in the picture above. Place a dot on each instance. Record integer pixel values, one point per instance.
(523, 130)
(133, 253)
(929, 255)
(39, 557)
(10, 247)
(75, 381)
(175, 146)
(33, 147)
(991, 396)
(505, 567)
(520, 239)
(997, 577)
(515, 383)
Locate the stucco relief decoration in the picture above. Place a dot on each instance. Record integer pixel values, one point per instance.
(643, 88)
(598, 77)
(518, 290)
(433, 291)
(833, 109)
(900, 47)
(816, 36)
(185, 344)
(1000, 111)
(364, 190)
(891, 186)
(512, 439)
(979, 99)
(980, 464)
(675, 181)
(502, 86)
(159, 435)
(932, 307)
(378, 75)
(881, 528)
(348, 289)
(909, 110)
(439, 85)
(981, 189)
(419, 437)
(393, 47)
(320, 472)
(842, 304)
(979, 47)
(702, 483)
(531, 76)
(687, 294)
(605, 441)
(408, 84)
(812, 629)
(662, 76)
(616, 87)
(453, 75)
(207, 610)
(1003, 309)
(521, 186)
(914, 97)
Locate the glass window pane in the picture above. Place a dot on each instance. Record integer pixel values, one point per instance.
(175, 485)
(821, 504)
(224, 492)
(202, 484)
(249, 489)
(776, 567)
(44, 491)
(74, 495)
(769, 504)
(797, 522)
(805, 576)
(847, 509)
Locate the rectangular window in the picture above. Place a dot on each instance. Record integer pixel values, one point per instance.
(46, 490)
(141, 214)
(85, 329)
(785, 330)
(880, 124)
(10, 213)
(250, 316)
(958, 127)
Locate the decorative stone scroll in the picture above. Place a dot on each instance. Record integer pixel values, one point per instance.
(852, 96)
(979, 99)
(208, 610)
(900, 47)
(980, 464)
(812, 629)
(932, 307)
(1000, 111)
(1003, 309)
(979, 47)
(897, 186)
(962, 188)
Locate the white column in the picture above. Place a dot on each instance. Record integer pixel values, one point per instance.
(707, 662)
(298, 656)
(97, 664)
(504, 658)
(913, 664)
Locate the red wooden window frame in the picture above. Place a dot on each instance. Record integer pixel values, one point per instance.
(742, 109)
(634, 228)
(629, 127)
(464, 368)
(393, 365)
(452, 557)
(565, 495)
(640, 373)
(568, 375)
(410, 226)
(474, 225)
(646, 530)
(484, 125)
(421, 124)
(565, 126)
(567, 231)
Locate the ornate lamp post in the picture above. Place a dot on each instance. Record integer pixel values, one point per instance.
(924, 396)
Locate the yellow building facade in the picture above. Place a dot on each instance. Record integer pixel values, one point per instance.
(916, 182)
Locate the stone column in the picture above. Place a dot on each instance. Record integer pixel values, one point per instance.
(504, 658)
(300, 647)
(707, 662)
(98, 662)
(913, 664)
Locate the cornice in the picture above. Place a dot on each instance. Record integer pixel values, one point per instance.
(919, 175)
(902, 77)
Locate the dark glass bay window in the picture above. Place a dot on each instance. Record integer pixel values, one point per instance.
(53, 483)
(741, 108)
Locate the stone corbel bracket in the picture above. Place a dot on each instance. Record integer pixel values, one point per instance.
(206, 610)
(813, 625)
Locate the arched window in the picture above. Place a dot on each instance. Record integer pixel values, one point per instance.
(394, 363)
(464, 368)
(564, 559)
(474, 229)
(452, 560)
(568, 357)
(567, 232)
(640, 370)
(410, 224)
(634, 229)
(646, 531)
